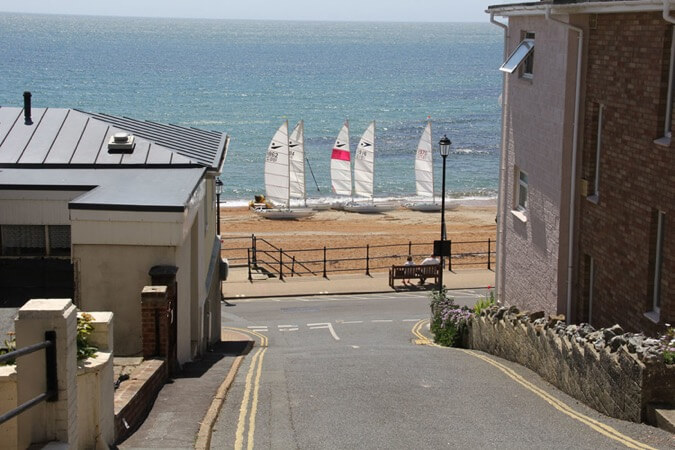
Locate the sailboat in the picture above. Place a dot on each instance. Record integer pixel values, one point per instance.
(364, 175)
(278, 168)
(424, 175)
(341, 167)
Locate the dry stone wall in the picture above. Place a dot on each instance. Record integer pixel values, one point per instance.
(614, 372)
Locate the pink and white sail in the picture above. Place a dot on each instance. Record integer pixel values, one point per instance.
(340, 163)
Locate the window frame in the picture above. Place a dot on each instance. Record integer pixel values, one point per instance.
(658, 261)
(521, 185)
(517, 60)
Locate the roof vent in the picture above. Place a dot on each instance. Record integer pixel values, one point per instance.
(121, 143)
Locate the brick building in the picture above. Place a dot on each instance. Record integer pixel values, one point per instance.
(587, 178)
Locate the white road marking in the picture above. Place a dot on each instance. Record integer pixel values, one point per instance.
(318, 326)
(352, 321)
(410, 320)
(381, 321)
(258, 328)
(288, 329)
(355, 346)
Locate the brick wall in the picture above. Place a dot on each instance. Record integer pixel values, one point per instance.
(627, 72)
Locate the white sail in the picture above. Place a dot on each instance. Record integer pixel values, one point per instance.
(363, 163)
(424, 165)
(277, 187)
(296, 146)
(340, 163)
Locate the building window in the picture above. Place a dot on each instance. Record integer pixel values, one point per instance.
(521, 190)
(667, 125)
(522, 58)
(590, 265)
(59, 240)
(594, 195)
(23, 240)
(657, 252)
(35, 240)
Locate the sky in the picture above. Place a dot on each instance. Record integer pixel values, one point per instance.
(343, 10)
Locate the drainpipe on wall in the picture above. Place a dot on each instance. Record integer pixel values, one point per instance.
(502, 175)
(573, 176)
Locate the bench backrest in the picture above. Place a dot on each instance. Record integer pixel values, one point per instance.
(428, 270)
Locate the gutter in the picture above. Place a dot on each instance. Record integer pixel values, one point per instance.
(598, 7)
(573, 175)
(501, 219)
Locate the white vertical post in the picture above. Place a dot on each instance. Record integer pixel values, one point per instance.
(48, 421)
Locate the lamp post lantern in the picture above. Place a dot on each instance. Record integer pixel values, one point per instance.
(444, 147)
(219, 190)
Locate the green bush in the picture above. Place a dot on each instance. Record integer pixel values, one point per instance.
(449, 322)
(485, 302)
(84, 329)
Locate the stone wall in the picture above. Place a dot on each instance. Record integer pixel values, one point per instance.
(616, 373)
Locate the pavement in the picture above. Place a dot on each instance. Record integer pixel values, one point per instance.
(238, 285)
(187, 407)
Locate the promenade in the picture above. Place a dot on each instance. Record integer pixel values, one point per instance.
(239, 286)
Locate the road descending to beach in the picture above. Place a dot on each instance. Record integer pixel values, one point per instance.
(472, 221)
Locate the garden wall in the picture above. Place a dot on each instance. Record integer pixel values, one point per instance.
(616, 373)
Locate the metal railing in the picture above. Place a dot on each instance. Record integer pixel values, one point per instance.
(265, 256)
(51, 394)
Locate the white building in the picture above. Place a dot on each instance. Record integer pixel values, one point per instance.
(89, 203)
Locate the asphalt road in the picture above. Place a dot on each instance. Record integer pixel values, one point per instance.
(348, 372)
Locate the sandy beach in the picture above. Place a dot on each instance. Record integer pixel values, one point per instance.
(387, 234)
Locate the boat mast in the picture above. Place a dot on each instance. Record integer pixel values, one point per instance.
(288, 160)
(302, 145)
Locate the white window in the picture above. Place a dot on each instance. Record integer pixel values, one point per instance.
(658, 260)
(667, 132)
(591, 288)
(522, 58)
(521, 191)
(35, 240)
(598, 145)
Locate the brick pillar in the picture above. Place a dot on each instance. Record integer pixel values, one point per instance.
(155, 321)
(48, 421)
(166, 276)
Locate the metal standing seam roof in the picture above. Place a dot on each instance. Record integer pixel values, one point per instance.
(73, 138)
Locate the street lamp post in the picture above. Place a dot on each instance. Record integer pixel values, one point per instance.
(219, 190)
(444, 147)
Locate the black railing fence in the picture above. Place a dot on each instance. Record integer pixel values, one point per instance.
(51, 394)
(264, 255)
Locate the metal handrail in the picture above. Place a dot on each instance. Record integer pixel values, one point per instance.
(51, 394)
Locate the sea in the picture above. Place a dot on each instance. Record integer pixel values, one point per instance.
(247, 77)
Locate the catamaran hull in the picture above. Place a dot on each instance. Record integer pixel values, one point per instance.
(284, 214)
(370, 208)
(424, 207)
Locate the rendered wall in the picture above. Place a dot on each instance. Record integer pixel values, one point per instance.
(111, 278)
(538, 124)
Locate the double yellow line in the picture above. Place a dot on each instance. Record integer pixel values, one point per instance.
(600, 427)
(251, 389)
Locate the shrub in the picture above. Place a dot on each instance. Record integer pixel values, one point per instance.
(668, 345)
(10, 346)
(485, 302)
(84, 329)
(449, 321)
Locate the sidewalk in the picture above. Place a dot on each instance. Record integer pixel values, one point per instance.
(185, 401)
(238, 286)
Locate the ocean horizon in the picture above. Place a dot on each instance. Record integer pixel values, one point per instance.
(246, 77)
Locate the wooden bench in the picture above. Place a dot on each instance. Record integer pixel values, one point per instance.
(414, 271)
